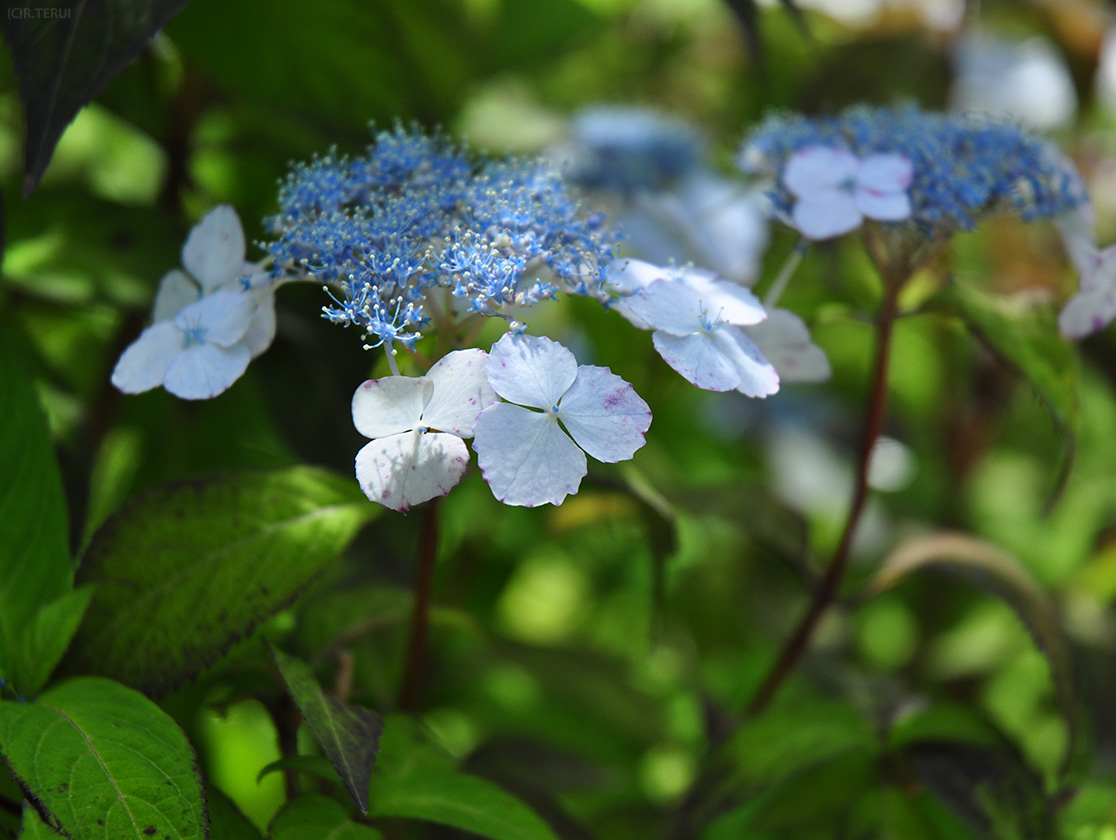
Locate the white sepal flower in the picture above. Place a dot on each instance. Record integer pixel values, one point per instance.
(698, 330)
(417, 425)
(1094, 307)
(835, 190)
(195, 355)
(523, 452)
(784, 340)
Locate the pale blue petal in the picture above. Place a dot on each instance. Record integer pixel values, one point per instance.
(604, 415)
(224, 316)
(757, 377)
(670, 306)
(826, 213)
(144, 364)
(698, 360)
(530, 370)
(525, 457)
(202, 371)
(391, 405)
(176, 291)
(214, 250)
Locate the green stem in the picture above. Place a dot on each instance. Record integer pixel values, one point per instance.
(420, 614)
(826, 591)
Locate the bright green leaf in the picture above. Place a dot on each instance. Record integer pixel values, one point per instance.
(348, 735)
(33, 828)
(187, 569)
(105, 762)
(317, 816)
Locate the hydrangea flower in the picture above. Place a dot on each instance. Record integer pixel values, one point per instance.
(209, 320)
(417, 426)
(698, 325)
(524, 446)
(964, 166)
(835, 191)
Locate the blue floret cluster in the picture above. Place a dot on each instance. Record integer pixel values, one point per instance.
(966, 166)
(415, 214)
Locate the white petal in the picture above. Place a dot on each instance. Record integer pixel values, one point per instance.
(176, 291)
(825, 214)
(1099, 271)
(214, 250)
(461, 392)
(604, 415)
(883, 206)
(627, 276)
(885, 173)
(784, 341)
(525, 457)
(407, 469)
(391, 405)
(670, 306)
(225, 316)
(261, 327)
(728, 303)
(818, 168)
(203, 371)
(757, 376)
(144, 364)
(698, 360)
(530, 370)
(1088, 312)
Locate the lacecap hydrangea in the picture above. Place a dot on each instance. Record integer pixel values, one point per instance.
(963, 167)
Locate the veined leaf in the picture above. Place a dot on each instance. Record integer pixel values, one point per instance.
(103, 761)
(313, 815)
(191, 567)
(348, 735)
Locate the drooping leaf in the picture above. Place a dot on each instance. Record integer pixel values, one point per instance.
(313, 815)
(989, 788)
(309, 765)
(348, 735)
(104, 761)
(997, 572)
(226, 822)
(1027, 338)
(189, 568)
(65, 52)
(414, 782)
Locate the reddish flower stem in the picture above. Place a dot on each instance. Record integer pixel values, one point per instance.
(826, 591)
(420, 614)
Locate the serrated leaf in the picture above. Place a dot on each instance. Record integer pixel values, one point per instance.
(226, 822)
(105, 763)
(1027, 338)
(995, 571)
(989, 788)
(65, 52)
(414, 782)
(348, 735)
(35, 565)
(317, 816)
(189, 568)
(45, 638)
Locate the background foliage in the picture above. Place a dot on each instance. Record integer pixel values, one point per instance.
(590, 666)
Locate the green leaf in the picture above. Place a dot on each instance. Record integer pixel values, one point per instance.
(317, 816)
(35, 566)
(348, 735)
(1027, 338)
(308, 765)
(414, 782)
(104, 762)
(990, 788)
(45, 638)
(226, 822)
(65, 52)
(187, 569)
(995, 571)
(33, 828)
